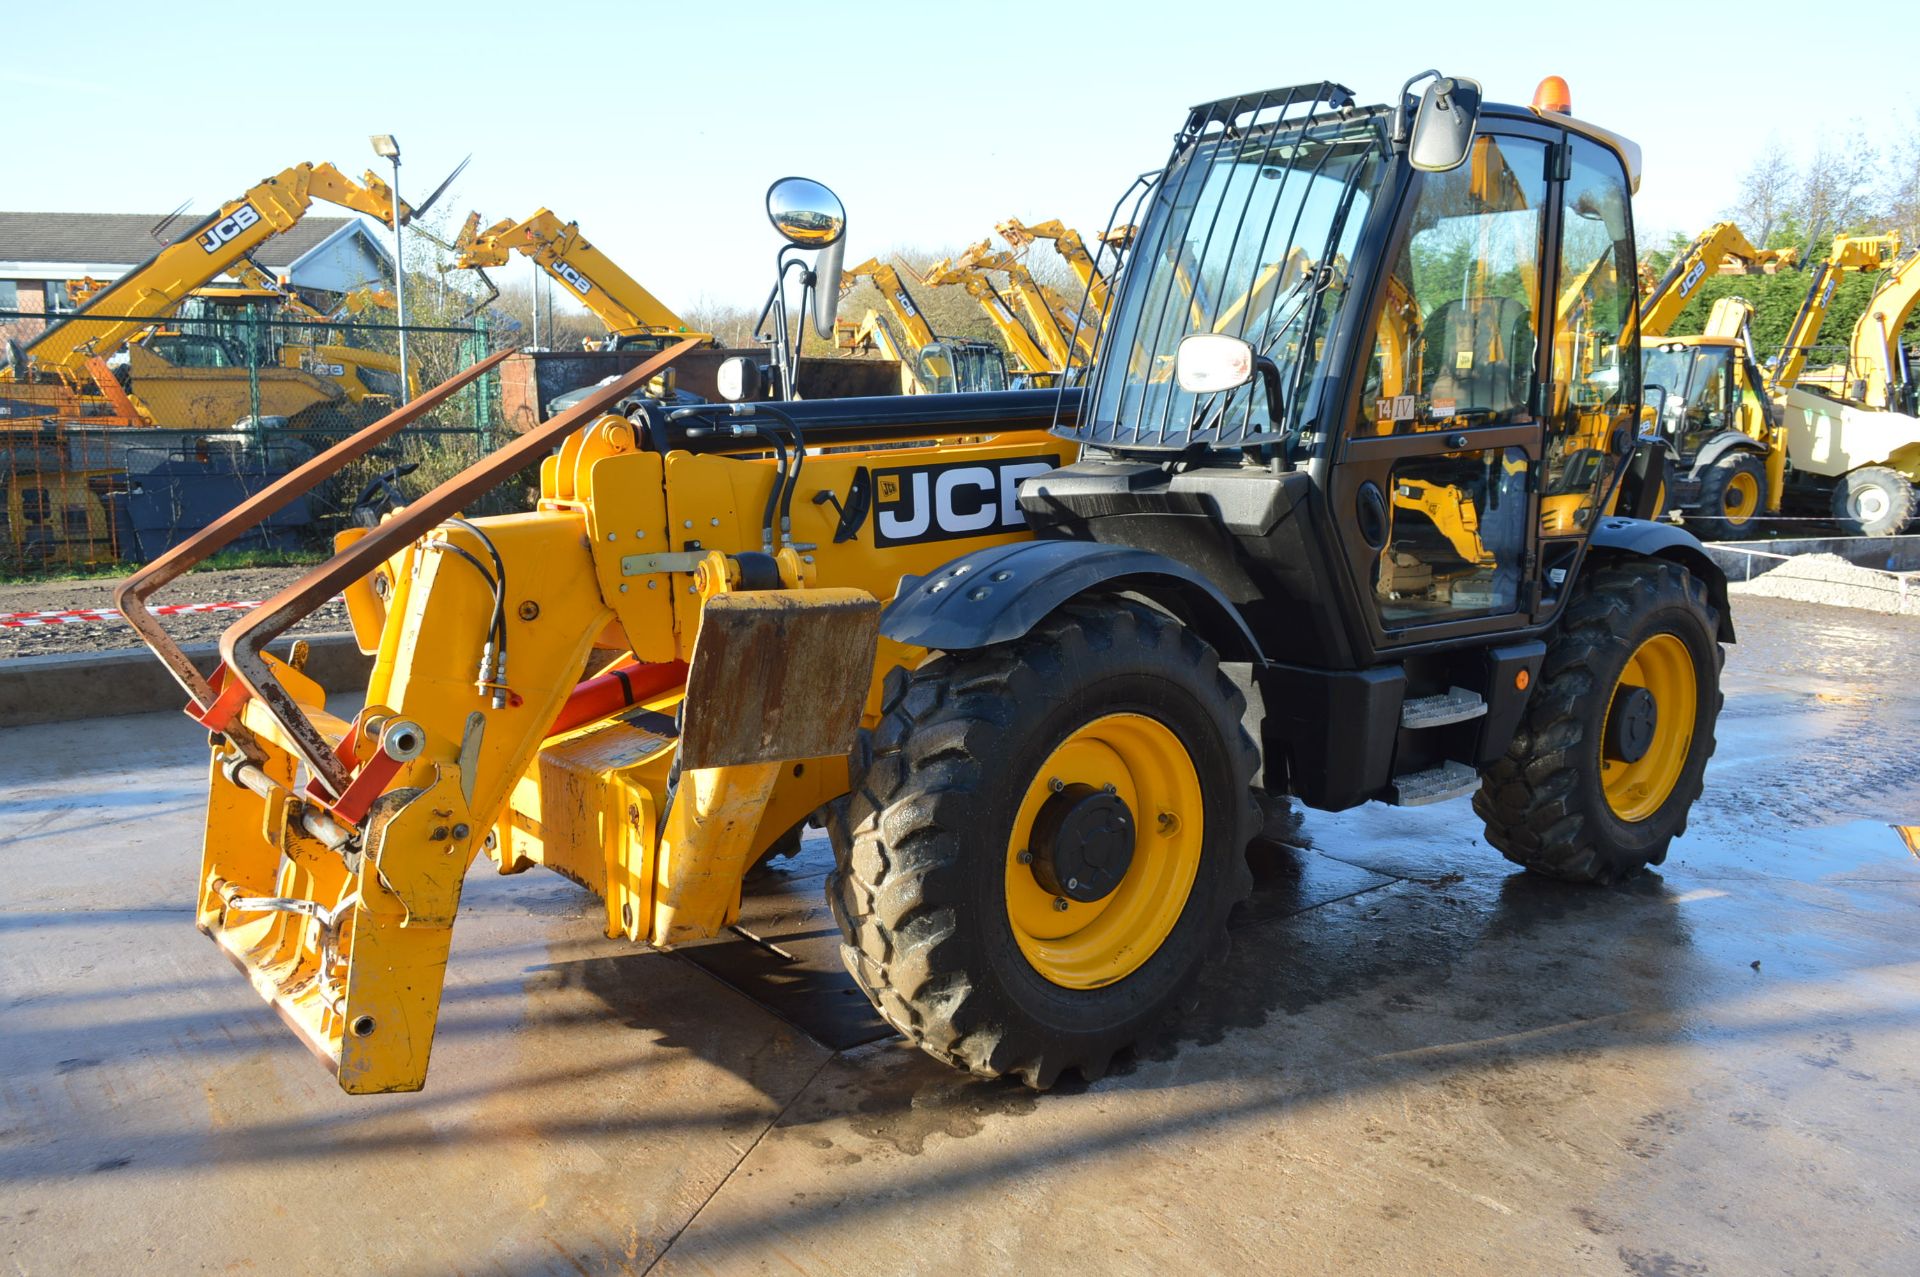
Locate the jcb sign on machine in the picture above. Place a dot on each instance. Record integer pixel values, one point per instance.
(980, 637)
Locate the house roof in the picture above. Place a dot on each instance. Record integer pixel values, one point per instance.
(124, 239)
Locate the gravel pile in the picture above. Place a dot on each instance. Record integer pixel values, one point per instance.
(1830, 579)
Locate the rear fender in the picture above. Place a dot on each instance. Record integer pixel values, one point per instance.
(1721, 445)
(998, 594)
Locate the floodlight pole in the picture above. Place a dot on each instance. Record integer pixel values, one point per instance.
(386, 146)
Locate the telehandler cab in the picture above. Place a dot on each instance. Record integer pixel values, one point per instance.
(982, 637)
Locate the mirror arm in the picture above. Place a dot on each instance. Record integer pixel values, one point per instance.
(1402, 130)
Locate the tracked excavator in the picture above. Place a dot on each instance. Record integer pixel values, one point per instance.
(899, 330)
(1065, 335)
(1036, 365)
(980, 637)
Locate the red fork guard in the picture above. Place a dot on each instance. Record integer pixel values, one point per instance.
(245, 673)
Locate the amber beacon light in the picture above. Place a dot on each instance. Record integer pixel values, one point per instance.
(1553, 95)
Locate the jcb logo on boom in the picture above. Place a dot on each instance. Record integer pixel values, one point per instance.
(1693, 276)
(229, 226)
(956, 499)
(581, 284)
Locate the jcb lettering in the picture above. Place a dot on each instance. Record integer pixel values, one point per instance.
(224, 230)
(1693, 277)
(957, 499)
(906, 302)
(581, 284)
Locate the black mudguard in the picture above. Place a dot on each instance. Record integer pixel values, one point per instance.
(1000, 593)
(1720, 445)
(1640, 538)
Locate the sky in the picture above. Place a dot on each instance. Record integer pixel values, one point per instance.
(658, 128)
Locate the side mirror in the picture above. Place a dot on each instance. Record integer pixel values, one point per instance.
(1206, 363)
(826, 287)
(806, 213)
(741, 379)
(1444, 125)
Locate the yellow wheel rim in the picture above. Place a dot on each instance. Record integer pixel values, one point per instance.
(1740, 497)
(1087, 945)
(1663, 666)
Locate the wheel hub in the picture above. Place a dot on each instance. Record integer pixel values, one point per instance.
(1082, 843)
(1631, 726)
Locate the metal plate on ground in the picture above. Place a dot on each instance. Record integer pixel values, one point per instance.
(785, 954)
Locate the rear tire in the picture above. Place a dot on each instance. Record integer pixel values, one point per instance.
(1873, 501)
(1733, 492)
(1556, 803)
(935, 904)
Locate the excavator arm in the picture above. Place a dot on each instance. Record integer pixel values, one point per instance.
(1072, 250)
(616, 298)
(905, 312)
(1705, 257)
(210, 249)
(1032, 357)
(1850, 252)
(1065, 341)
(1875, 358)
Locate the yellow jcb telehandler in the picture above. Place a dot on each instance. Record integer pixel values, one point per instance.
(981, 637)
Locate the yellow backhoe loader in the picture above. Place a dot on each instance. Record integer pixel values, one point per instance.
(980, 638)
(1749, 442)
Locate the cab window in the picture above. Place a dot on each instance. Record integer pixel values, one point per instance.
(1596, 368)
(1458, 333)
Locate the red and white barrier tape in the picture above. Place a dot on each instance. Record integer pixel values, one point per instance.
(69, 616)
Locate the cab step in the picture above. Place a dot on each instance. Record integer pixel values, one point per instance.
(1434, 785)
(1455, 705)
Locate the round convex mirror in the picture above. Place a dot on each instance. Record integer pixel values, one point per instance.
(805, 212)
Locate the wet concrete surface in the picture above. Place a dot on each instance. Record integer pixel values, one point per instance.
(1413, 1059)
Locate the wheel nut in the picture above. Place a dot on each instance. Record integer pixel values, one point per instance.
(1110, 789)
(1059, 904)
(1025, 857)
(1056, 784)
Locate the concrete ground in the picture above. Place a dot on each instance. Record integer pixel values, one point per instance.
(1415, 1060)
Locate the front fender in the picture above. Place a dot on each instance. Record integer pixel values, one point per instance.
(997, 594)
(1621, 538)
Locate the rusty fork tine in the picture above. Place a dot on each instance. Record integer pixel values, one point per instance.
(241, 645)
(131, 596)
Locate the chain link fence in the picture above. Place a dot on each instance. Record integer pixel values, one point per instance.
(113, 458)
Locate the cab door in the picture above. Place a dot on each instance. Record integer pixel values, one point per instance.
(1496, 407)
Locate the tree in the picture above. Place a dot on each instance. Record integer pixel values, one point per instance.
(1767, 193)
(1836, 193)
(1903, 181)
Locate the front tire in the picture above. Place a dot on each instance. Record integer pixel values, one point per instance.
(1873, 501)
(1612, 749)
(994, 788)
(1733, 492)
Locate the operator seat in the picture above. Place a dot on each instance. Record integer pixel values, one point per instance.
(1477, 352)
